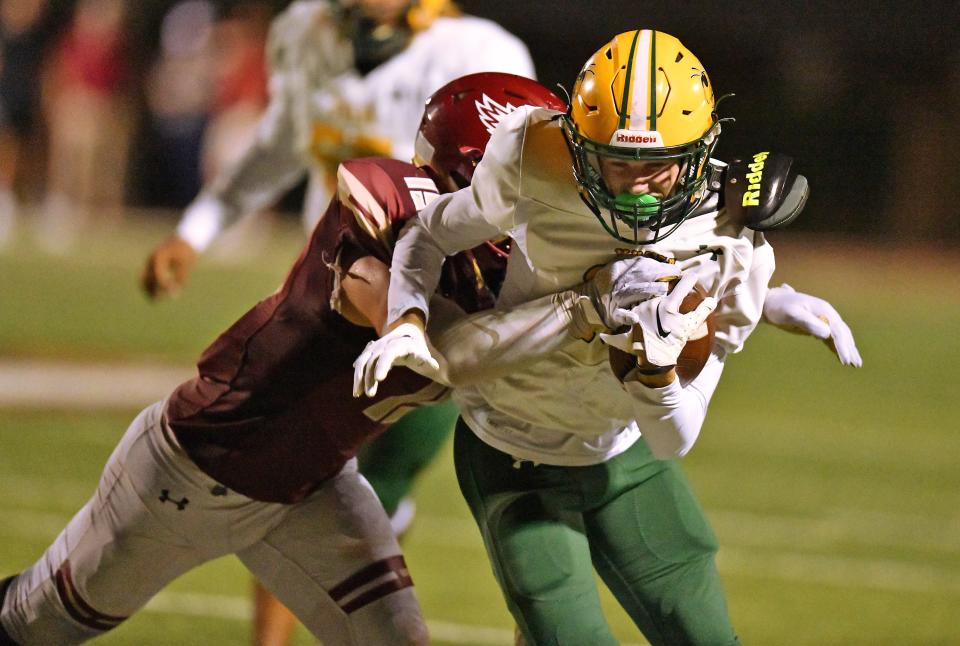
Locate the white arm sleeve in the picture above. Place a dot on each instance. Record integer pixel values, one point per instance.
(457, 221)
(739, 311)
(670, 418)
(493, 343)
(450, 224)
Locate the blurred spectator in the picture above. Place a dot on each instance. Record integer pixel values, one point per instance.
(179, 96)
(89, 119)
(25, 29)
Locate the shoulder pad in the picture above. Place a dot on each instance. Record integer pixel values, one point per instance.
(765, 191)
(382, 194)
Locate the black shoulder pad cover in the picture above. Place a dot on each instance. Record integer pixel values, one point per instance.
(765, 191)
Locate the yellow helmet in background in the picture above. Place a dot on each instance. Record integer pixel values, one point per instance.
(642, 96)
(381, 29)
(422, 13)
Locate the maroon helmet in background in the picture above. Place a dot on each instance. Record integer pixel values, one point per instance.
(460, 117)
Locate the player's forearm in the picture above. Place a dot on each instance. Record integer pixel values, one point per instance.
(491, 344)
(265, 171)
(203, 220)
(670, 418)
(270, 167)
(414, 274)
(445, 227)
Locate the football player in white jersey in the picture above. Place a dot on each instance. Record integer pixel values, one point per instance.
(548, 456)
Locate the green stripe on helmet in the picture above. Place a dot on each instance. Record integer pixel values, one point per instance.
(653, 79)
(626, 83)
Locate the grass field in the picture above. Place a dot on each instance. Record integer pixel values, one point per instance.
(835, 492)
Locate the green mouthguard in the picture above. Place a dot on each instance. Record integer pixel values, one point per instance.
(644, 204)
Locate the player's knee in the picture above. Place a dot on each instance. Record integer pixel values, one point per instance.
(542, 573)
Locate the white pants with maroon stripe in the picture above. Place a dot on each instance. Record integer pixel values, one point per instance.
(332, 559)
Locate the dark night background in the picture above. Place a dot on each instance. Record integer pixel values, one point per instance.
(864, 95)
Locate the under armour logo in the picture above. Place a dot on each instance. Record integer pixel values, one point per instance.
(714, 253)
(218, 490)
(165, 497)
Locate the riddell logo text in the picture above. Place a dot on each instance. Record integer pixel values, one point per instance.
(751, 196)
(636, 139)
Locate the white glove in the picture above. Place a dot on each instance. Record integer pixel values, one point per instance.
(615, 288)
(665, 330)
(801, 313)
(405, 345)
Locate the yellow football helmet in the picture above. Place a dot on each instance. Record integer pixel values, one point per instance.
(642, 96)
(422, 13)
(381, 29)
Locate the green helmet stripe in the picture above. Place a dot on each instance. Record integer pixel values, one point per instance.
(627, 83)
(653, 80)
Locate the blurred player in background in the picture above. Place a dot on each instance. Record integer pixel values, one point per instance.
(255, 456)
(347, 79)
(548, 456)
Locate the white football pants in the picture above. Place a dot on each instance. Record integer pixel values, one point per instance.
(332, 559)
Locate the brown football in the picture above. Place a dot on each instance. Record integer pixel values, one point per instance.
(694, 354)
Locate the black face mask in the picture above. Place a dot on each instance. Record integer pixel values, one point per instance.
(373, 44)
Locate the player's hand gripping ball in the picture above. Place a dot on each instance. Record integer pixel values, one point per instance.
(694, 354)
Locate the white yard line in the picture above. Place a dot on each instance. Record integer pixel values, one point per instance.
(239, 609)
(51, 384)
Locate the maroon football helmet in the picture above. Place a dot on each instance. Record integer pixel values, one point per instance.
(459, 118)
(456, 126)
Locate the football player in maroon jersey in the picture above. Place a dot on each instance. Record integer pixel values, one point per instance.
(255, 455)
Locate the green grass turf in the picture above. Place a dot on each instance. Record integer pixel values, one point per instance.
(87, 304)
(835, 493)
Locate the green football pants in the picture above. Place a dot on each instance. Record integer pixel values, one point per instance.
(633, 518)
(393, 460)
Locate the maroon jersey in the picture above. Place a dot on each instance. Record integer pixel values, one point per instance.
(271, 413)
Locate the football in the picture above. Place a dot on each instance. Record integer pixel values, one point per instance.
(694, 354)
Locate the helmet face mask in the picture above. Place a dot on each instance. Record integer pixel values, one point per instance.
(642, 97)
(631, 218)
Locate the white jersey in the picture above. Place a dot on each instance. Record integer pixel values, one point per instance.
(322, 111)
(568, 408)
